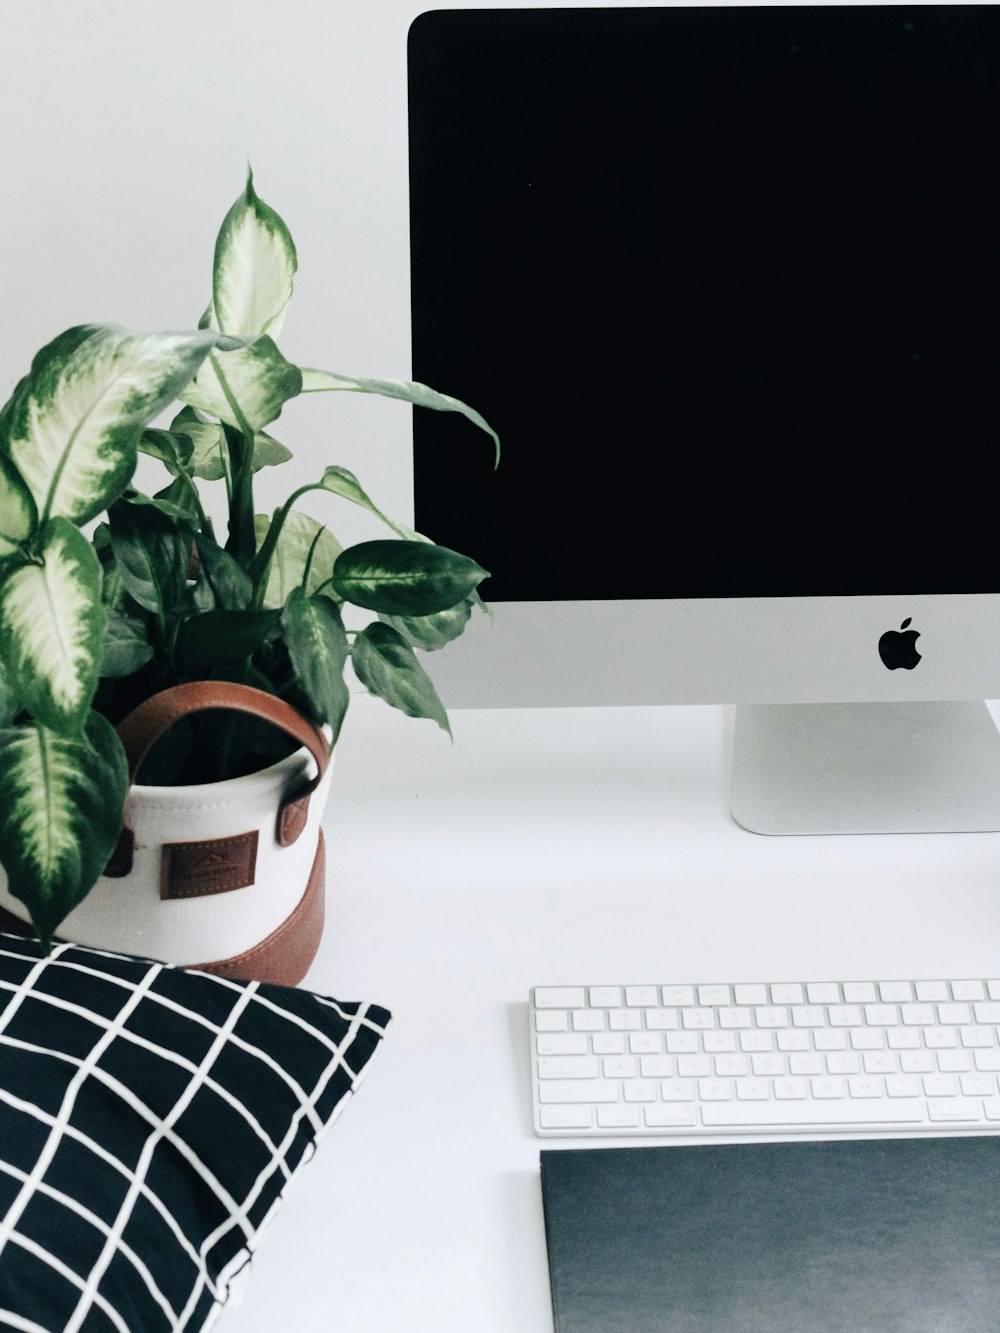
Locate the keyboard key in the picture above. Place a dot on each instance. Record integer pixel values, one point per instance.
(808, 1016)
(618, 1117)
(823, 992)
(559, 997)
(577, 1090)
(624, 1020)
(954, 1109)
(715, 1089)
(677, 1090)
(568, 1066)
(656, 1066)
(588, 1020)
(642, 997)
(968, 990)
(645, 1043)
(605, 997)
(902, 1085)
(639, 1090)
(827, 1088)
(663, 1117)
(560, 1043)
(607, 1043)
(786, 993)
(659, 1020)
(895, 992)
(754, 994)
(554, 1020)
(751, 1114)
(565, 1117)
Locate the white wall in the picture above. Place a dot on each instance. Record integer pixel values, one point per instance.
(125, 130)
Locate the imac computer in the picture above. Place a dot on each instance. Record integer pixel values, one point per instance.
(725, 281)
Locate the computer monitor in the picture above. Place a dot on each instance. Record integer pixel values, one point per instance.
(725, 280)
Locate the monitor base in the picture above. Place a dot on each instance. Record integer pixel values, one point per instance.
(866, 768)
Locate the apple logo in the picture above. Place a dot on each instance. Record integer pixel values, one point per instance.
(898, 647)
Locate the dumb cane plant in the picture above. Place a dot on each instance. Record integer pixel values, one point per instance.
(94, 621)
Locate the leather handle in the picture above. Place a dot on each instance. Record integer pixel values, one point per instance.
(146, 724)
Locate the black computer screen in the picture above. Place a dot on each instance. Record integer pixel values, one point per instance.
(725, 281)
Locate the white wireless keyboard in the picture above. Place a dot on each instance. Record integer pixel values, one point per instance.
(763, 1058)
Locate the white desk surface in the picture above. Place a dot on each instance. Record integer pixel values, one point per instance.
(551, 846)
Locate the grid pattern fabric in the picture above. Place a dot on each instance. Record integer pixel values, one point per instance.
(150, 1120)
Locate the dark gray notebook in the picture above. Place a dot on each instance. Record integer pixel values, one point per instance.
(850, 1236)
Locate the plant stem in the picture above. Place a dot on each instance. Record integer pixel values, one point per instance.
(309, 559)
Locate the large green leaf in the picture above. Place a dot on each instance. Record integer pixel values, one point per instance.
(10, 705)
(435, 631)
(408, 391)
(229, 582)
(387, 666)
(400, 578)
(300, 536)
(198, 446)
(255, 264)
(125, 646)
(51, 623)
(18, 516)
(339, 481)
(317, 644)
(152, 552)
(220, 638)
(61, 804)
(246, 386)
(74, 422)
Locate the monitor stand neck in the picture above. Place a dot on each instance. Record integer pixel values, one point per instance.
(866, 768)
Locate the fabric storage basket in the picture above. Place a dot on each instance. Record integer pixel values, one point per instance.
(226, 876)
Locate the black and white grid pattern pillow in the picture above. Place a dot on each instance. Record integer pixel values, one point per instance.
(150, 1119)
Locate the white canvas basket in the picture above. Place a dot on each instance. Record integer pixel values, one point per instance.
(227, 876)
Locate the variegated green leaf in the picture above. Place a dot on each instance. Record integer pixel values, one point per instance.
(255, 264)
(206, 442)
(51, 623)
(75, 420)
(10, 705)
(300, 535)
(125, 646)
(61, 804)
(317, 645)
(18, 515)
(409, 391)
(245, 387)
(228, 583)
(387, 666)
(400, 578)
(435, 631)
(338, 481)
(222, 638)
(152, 552)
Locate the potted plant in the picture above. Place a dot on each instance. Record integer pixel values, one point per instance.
(110, 598)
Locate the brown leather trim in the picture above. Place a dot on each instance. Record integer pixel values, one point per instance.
(286, 955)
(213, 865)
(145, 724)
(283, 958)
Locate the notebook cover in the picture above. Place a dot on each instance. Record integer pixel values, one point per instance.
(896, 1235)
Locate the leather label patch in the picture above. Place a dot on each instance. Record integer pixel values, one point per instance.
(200, 869)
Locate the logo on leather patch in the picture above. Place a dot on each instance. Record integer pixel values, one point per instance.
(200, 869)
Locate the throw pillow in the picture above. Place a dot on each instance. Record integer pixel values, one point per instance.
(150, 1120)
